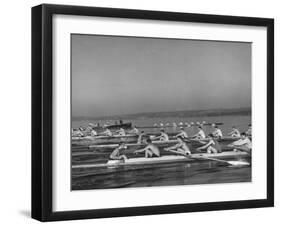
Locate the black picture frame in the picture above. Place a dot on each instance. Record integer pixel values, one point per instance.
(42, 111)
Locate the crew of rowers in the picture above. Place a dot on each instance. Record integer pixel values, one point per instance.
(209, 143)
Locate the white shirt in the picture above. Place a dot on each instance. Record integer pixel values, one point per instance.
(218, 133)
(164, 137)
(122, 132)
(182, 134)
(135, 130)
(243, 142)
(201, 134)
(108, 132)
(94, 133)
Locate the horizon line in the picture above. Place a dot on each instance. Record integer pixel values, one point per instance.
(139, 113)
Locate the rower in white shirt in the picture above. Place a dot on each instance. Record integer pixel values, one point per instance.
(118, 154)
(180, 148)
(234, 132)
(134, 130)
(107, 132)
(243, 144)
(182, 133)
(163, 136)
(211, 146)
(94, 133)
(217, 132)
(121, 132)
(200, 134)
(141, 137)
(151, 150)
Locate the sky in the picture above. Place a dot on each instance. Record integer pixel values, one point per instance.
(114, 75)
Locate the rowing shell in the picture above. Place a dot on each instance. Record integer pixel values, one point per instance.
(224, 141)
(166, 159)
(158, 143)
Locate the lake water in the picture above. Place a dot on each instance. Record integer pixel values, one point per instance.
(203, 172)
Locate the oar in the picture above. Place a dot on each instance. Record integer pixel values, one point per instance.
(234, 163)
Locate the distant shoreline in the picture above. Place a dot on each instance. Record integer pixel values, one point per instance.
(193, 113)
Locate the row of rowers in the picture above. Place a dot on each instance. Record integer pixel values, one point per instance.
(217, 133)
(210, 145)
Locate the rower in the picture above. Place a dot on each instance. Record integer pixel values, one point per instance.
(217, 132)
(180, 148)
(150, 150)
(243, 144)
(94, 133)
(134, 130)
(121, 132)
(77, 133)
(249, 131)
(80, 133)
(140, 138)
(200, 134)
(182, 133)
(212, 145)
(89, 128)
(234, 132)
(116, 154)
(107, 132)
(174, 124)
(81, 128)
(163, 136)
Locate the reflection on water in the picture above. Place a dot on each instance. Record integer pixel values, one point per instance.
(159, 175)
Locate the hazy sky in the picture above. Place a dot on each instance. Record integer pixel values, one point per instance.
(123, 75)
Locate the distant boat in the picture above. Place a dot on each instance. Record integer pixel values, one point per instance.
(127, 125)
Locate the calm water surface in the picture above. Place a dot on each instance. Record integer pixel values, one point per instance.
(158, 174)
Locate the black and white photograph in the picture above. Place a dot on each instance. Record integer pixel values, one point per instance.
(148, 111)
(141, 112)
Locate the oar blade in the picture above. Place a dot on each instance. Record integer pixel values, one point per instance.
(239, 163)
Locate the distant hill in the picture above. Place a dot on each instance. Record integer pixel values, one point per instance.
(193, 113)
